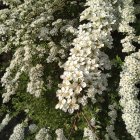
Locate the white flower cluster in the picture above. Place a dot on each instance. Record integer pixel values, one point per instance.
(89, 135)
(3, 30)
(110, 128)
(84, 66)
(53, 52)
(9, 81)
(60, 134)
(18, 132)
(43, 134)
(37, 35)
(4, 122)
(20, 27)
(130, 76)
(36, 84)
(127, 13)
(22, 63)
(57, 52)
(12, 3)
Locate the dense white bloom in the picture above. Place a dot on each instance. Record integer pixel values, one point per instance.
(110, 128)
(11, 3)
(40, 36)
(22, 63)
(8, 81)
(18, 132)
(36, 84)
(57, 52)
(89, 135)
(130, 76)
(3, 29)
(52, 53)
(43, 134)
(86, 60)
(5, 121)
(127, 44)
(127, 14)
(24, 33)
(20, 27)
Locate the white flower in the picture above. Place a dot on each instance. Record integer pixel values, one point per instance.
(88, 134)
(61, 104)
(4, 122)
(72, 105)
(127, 14)
(130, 76)
(18, 133)
(110, 128)
(36, 83)
(85, 58)
(83, 100)
(9, 81)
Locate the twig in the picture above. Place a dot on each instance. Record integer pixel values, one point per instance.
(90, 126)
(73, 124)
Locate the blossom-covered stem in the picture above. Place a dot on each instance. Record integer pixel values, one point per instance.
(129, 78)
(84, 66)
(18, 132)
(88, 122)
(110, 128)
(10, 79)
(127, 14)
(5, 122)
(89, 134)
(91, 127)
(36, 84)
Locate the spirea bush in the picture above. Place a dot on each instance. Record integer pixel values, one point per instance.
(70, 70)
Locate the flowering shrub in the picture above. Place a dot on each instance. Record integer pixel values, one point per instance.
(70, 70)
